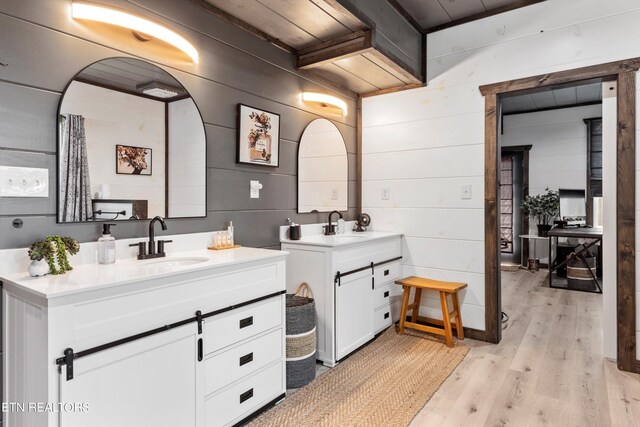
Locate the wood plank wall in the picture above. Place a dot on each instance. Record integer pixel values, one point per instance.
(41, 49)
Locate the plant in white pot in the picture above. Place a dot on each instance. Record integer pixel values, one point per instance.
(50, 255)
(542, 208)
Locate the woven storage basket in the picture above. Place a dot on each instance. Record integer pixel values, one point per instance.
(580, 272)
(301, 337)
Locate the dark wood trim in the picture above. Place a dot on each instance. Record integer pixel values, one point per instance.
(359, 155)
(608, 71)
(624, 72)
(243, 25)
(561, 107)
(481, 15)
(406, 15)
(625, 220)
(336, 49)
(493, 303)
(524, 149)
(392, 90)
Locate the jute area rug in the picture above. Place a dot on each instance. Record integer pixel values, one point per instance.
(384, 384)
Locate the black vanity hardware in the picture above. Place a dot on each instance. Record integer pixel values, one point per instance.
(200, 350)
(386, 272)
(330, 229)
(199, 320)
(373, 281)
(246, 359)
(153, 251)
(248, 321)
(386, 315)
(246, 395)
(339, 275)
(386, 294)
(70, 356)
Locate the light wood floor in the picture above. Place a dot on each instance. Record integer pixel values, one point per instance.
(547, 370)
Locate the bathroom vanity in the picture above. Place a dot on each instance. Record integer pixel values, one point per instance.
(351, 276)
(194, 339)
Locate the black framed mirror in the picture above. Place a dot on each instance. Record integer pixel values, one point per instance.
(131, 145)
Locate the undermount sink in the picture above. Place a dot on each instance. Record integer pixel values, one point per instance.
(175, 262)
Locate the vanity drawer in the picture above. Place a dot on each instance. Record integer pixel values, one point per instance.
(382, 295)
(236, 325)
(235, 363)
(387, 272)
(382, 319)
(240, 400)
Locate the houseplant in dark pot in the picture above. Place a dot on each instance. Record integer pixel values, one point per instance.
(542, 208)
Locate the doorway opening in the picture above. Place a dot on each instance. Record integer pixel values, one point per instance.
(623, 73)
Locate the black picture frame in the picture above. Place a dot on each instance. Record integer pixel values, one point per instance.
(148, 151)
(269, 155)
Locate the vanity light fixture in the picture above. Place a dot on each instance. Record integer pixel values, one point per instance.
(107, 15)
(325, 101)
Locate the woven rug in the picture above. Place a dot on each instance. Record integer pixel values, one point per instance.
(384, 384)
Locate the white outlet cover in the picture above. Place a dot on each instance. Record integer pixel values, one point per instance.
(386, 191)
(466, 191)
(24, 182)
(334, 194)
(254, 189)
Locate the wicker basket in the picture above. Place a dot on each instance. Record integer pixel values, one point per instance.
(580, 272)
(301, 337)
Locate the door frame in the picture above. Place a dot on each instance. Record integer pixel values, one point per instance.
(624, 73)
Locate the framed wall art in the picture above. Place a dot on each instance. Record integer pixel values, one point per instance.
(258, 136)
(133, 160)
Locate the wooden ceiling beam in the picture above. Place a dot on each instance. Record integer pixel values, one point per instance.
(336, 49)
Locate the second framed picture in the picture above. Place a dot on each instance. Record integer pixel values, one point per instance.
(258, 136)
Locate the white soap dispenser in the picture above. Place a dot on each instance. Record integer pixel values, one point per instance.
(107, 245)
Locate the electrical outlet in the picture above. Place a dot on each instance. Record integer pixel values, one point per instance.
(254, 189)
(466, 191)
(386, 192)
(24, 182)
(334, 194)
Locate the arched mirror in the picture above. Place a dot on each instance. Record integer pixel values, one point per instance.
(322, 169)
(131, 145)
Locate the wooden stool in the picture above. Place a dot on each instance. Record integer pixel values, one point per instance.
(444, 288)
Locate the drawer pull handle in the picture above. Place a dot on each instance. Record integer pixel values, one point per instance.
(246, 395)
(386, 294)
(386, 272)
(246, 322)
(246, 359)
(386, 315)
(200, 350)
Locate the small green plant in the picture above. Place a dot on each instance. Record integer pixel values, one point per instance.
(542, 207)
(54, 249)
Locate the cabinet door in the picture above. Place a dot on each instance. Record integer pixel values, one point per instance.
(354, 312)
(149, 382)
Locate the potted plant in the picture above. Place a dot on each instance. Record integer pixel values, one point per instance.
(543, 208)
(50, 255)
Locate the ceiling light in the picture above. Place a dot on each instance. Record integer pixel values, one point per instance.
(325, 101)
(93, 12)
(158, 90)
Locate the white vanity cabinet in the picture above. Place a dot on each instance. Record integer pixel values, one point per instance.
(152, 346)
(351, 277)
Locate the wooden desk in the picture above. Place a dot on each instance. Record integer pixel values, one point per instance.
(591, 236)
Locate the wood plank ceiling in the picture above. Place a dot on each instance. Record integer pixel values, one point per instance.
(550, 99)
(434, 15)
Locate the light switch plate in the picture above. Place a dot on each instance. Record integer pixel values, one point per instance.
(334, 194)
(255, 188)
(466, 191)
(24, 182)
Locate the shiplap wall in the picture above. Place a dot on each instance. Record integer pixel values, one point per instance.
(425, 143)
(558, 156)
(42, 48)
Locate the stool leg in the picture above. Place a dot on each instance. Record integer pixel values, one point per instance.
(403, 311)
(456, 307)
(445, 319)
(416, 305)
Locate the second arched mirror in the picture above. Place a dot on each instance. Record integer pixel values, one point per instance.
(322, 169)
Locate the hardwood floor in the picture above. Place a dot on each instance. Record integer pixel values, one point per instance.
(547, 370)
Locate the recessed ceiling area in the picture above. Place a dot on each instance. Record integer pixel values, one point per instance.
(432, 15)
(552, 99)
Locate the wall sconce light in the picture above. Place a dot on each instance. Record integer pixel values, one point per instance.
(334, 104)
(107, 15)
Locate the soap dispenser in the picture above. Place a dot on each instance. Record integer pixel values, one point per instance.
(107, 245)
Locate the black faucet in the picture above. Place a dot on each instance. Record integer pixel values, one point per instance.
(153, 252)
(330, 229)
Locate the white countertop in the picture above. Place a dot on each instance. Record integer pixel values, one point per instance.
(350, 238)
(93, 276)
